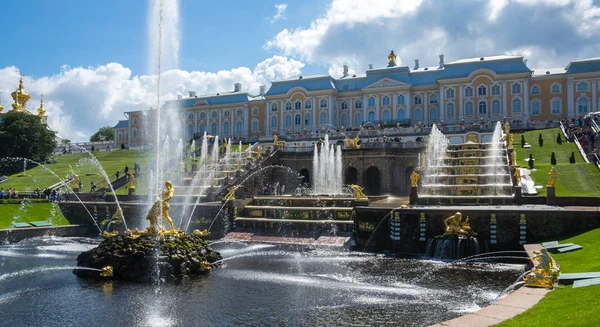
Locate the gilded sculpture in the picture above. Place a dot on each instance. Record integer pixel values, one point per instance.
(518, 176)
(507, 128)
(414, 178)
(543, 274)
(231, 194)
(392, 59)
(553, 175)
(75, 181)
(131, 179)
(352, 143)
(358, 192)
(455, 225)
(161, 205)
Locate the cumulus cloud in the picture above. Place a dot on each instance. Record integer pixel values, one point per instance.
(549, 32)
(279, 15)
(80, 100)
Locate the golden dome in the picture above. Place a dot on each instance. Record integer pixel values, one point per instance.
(41, 111)
(20, 96)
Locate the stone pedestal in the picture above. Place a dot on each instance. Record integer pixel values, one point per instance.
(414, 196)
(131, 191)
(75, 190)
(518, 195)
(550, 191)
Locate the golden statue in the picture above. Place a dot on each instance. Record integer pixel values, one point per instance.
(513, 158)
(155, 212)
(352, 143)
(510, 138)
(544, 273)
(107, 271)
(231, 194)
(202, 233)
(275, 139)
(518, 175)
(106, 234)
(75, 181)
(258, 151)
(105, 184)
(456, 226)
(507, 128)
(131, 179)
(392, 59)
(414, 178)
(553, 175)
(358, 192)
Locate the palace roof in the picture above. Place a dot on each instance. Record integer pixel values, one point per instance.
(122, 124)
(583, 66)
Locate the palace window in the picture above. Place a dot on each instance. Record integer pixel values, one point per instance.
(358, 104)
(190, 117)
(254, 111)
(307, 104)
(273, 121)
(400, 99)
(323, 118)
(535, 89)
(449, 93)
(433, 98)
(288, 106)
(201, 129)
(496, 90)
(418, 99)
(434, 114)
(226, 113)
(583, 105)
(307, 120)
(516, 106)
(418, 115)
(288, 120)
(450, 109)
(386, 100)
(400, 114)
(344, 104)
(297, 105)
(468, 92)
(386, 115)
(274, 107)
(358, 118)
(582, 86)
(555, 88)
(135, 120)
(482, 91)
(298, 119)
(555, 106)
(496, 107)
(516, 88)
(323, 103)
(214, 114)
(202, 115)
(371, 116)
(344, 119)
(469, 110)
(239, 127)
(254, 125)
(134, 132)
(535, 107)
(482, 108)
(214, 129)
(240, 112)
(226, 128)
(371, 102)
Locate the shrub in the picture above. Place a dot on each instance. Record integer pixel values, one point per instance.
(122, 146)
(541, 140)
(523, 141)
(530, 161)
(553, 159)
(572, 158)
(558, 139)
(94, 149)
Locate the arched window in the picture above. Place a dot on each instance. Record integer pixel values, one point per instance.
(240, 112)
(555, 106)
(434, 114)
(203, 114)
(371, 116)
(535, 107)
(496, 107)
(273, 121)
(201, 129)
(254, 111)
(371, 102)
(418, 99)
(386, 100)
(344, 104)
(418, 115)
(450, 109)
(583, 105)
(214, 129)
(469, 110)
(298, 119)
(400, 99)
(555, 88)
(468, 92)
(344, 119)
(214, 114)
(323, 118)
(288, 106)
(297, 105)
(288, 120)
(274, 107)
(582, 86)
(239, 127)
(482, 90)
(516, 106)
(358, 104)
(307, 120)
(226, 113)
(226, 128)
(449, 93)
(254, 125)
(357, 118)
(496, 90)
(134, 132)
(516, 88)
(190, 117)
(535, 89)
(400, 114)
(307, 104)
(482, 108)
(135, 120)
(386, 115)
(433, 98)
(323, 103)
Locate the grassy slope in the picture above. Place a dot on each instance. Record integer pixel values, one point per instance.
(30, 212)
(566, 306)
(579, 179)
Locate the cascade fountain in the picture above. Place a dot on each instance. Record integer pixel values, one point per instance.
(327, 167)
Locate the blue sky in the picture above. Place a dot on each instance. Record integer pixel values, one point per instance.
(90, 58)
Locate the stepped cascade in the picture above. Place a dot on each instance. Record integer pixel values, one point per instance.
(466, 173)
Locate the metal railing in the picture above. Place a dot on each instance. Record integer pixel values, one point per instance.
(576, 141)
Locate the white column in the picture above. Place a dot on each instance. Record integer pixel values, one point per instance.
(504, 103)
(282, 115)
(330, 111)
(570, 99)
(220, 125)
(377, 107)
(408, 102)
(314, 114)
(350, 112)
(246, 123)
(364, 105)
(460, 102)
(442, 106)
(267, 114)
(594, 100)
(425, 108)
(526, 99)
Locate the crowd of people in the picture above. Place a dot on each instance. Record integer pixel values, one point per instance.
(580, 129)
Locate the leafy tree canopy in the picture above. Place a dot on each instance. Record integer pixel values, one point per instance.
(105, 133)
(24, 135)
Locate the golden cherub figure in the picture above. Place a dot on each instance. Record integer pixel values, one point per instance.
(161, 205)
(414, 178)
(544, 273)
(358, 191)
(75, 181)
(392, 58)
(553, 175)
(518, 175)
(131, 179)
(231, 194)
(507, 128)
(456, 226)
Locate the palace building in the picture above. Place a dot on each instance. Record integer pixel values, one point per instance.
(485, 88)
(20, 98)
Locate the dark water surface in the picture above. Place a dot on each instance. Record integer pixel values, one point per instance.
(260, 285)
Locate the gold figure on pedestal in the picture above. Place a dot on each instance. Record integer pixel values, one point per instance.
(414, 178)
(131, 179)
(231, 194)
(358, 192)
(352, 143)
(392, 59)
(510, 139)
(161, 205)
(275, 139)
(544, 273)
(456, 226)
(513, 158)
(518, 176)
(507, 128)
(553, 175)
(75, 181)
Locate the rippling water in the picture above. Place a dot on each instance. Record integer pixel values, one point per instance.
(260, 285)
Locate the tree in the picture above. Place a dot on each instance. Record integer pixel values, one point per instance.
(523, 142)
(530, 161)
(541, 140)
(24, 135)
(65, 141)
(572, 158)
(553, 159)
(558, 139)
(105, 133)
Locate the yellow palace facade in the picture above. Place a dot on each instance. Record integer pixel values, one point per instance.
(467, 90)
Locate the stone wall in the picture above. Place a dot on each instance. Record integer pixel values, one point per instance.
(12, 235)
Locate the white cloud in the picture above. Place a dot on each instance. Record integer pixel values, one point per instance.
(279, 15)
(550, 32)
(80, 100)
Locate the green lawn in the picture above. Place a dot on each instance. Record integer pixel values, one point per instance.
(566, 306)
(28, 212)
(579, 179)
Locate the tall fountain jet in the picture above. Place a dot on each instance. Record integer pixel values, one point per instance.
(434, 158)
(327, 169)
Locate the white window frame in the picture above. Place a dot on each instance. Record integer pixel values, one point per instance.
(470, 102)
(583, 83)
(496, 87)
(453, 113)
(468, 92)
(516, 85)
(556, 100)
(557, 85)
(539, 107)
(450, 93)
(479, 90)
